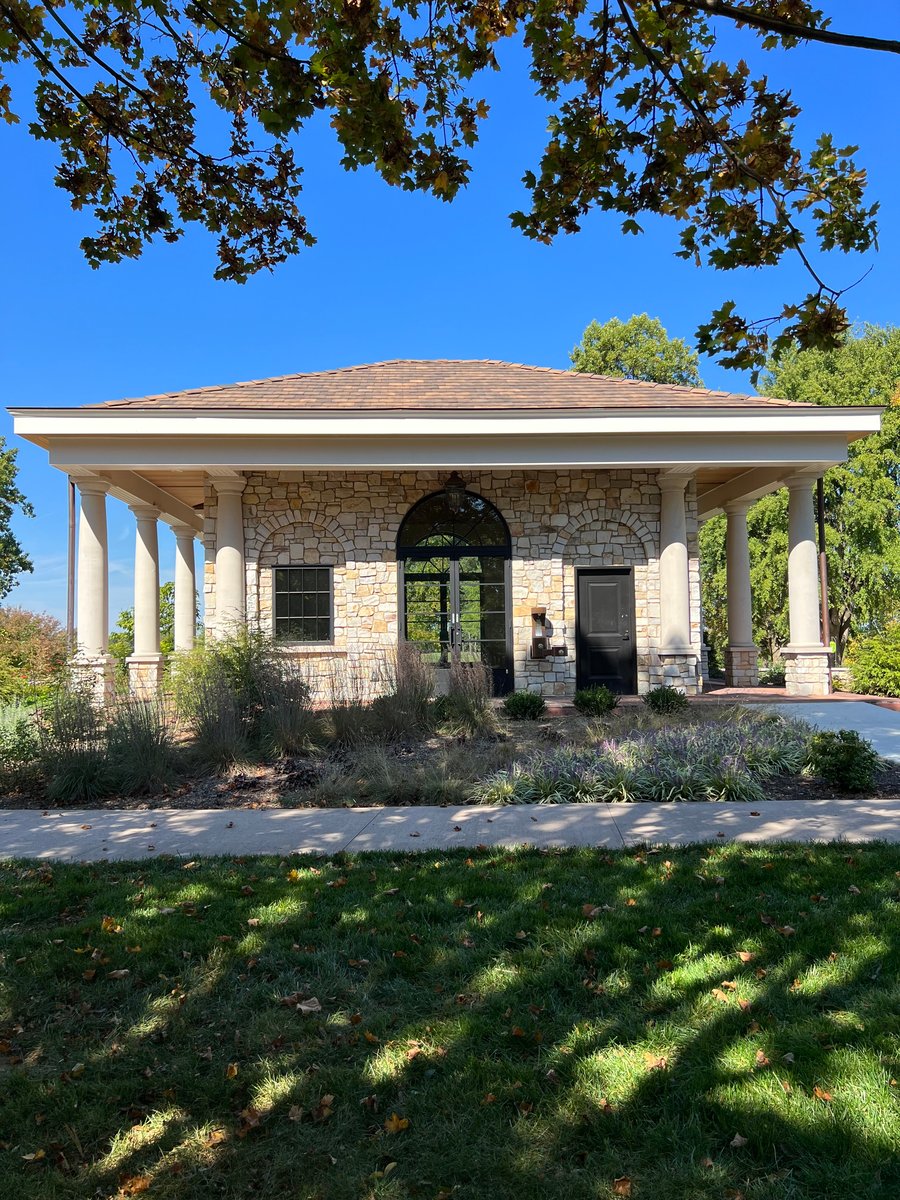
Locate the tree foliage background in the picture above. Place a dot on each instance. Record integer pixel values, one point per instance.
(862, 502)
(638, 348)
(13, 559)
(166, 113)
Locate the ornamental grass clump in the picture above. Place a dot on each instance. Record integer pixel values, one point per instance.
(726, 760)
(467, 708)
(242, 696)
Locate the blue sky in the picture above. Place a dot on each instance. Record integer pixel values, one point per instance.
(393, 275)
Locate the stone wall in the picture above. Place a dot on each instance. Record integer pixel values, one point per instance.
(558, 521)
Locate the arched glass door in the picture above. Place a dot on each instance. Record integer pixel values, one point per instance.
(454, 552)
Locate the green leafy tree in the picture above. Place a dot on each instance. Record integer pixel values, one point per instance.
(648, 116)
(638, 348)
(32, 653)
(13, 559)
(862, 501)
(121, 640)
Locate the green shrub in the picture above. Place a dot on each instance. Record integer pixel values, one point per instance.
(843, 759)
(524, 706)
(772, 675)
(596, 701)
(665, 700)
(874, 663)
(19, 747)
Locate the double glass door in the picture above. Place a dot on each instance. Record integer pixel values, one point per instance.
(455, 610)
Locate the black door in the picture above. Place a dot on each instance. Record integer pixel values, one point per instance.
(604, 630)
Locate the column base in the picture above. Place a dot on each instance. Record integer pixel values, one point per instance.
(145, 674)
(677, 669)
(741, 667)
(96, 673)
(807, 670)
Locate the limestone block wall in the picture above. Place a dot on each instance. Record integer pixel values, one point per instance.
(558, 521)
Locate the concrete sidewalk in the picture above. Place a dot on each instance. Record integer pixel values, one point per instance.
(95, 835)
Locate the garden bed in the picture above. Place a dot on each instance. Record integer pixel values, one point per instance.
(445, 768)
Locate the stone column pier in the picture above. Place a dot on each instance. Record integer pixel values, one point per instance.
(806, 659)
(741, 656)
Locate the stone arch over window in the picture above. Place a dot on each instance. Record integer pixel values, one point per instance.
(298, 537)
(279, 522)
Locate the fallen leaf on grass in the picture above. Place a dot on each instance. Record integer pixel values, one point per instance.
(853, 890)
(323, 1109)
(295, 1112)
(395, 1123)
(371, 1037)
(738, 1141)
(761, 1060)
(122, 974)
(655, 1062)
(489, 1098)
(707, 1162)
(133, 1185)
(231, 1071)
(305, 1005)
(622, 1186)
(249, 1119)
(746, 955)
(110, 925)
(215, 1137)
(36, 1156)
(821, 1094)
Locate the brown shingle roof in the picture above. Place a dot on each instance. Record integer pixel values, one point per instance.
(442, 385)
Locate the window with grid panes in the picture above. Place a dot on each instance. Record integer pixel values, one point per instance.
(303, 604)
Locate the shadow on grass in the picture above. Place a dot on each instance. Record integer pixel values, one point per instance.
(565, 1024)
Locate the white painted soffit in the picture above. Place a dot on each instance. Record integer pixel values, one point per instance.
(39, 424)
(451, 452)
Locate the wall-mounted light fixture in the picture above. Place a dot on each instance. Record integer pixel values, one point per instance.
(455, 487)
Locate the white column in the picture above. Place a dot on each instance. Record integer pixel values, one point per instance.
(674, 580)
(185, 589)
(737, 566)
(230, 570)
(93, 571)
(146, 580)
(803, 569)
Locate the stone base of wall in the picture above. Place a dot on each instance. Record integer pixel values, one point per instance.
(679, 671)
(806, 671)
(145, 674)
(97, 674)
(742, 667)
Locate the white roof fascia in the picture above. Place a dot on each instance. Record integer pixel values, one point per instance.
(51, 423)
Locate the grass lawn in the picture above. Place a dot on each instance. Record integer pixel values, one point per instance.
(706, 1023)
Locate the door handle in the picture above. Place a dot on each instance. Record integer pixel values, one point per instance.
(626, 637)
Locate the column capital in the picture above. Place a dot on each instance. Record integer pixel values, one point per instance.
(739, 507)
(799, 483)
(229, 486)
(93, 487)
(145, 512)
(673, 483)
(181, 530)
